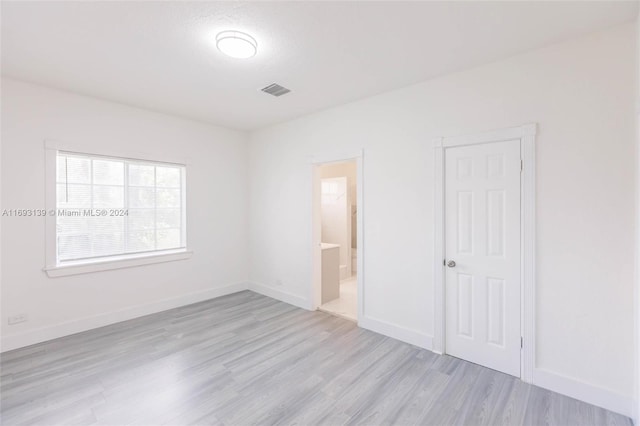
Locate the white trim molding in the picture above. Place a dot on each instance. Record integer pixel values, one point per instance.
(582, 391)
(336, 157)
(528, 251)
(281, 295)
(526, 134)
(404, 334)
(438, 236)
(19, 340)
(116, 263)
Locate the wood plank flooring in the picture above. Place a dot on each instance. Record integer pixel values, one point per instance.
(247, 359)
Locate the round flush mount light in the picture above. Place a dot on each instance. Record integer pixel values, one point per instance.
(236, 44)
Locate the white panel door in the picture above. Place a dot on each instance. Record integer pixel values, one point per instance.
(482, 249)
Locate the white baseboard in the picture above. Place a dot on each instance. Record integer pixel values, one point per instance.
(397, 332)
(586, 392)
(382, 327)
(281, 295)
(14, 341)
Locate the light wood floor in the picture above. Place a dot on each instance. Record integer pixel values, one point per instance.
(248, 359)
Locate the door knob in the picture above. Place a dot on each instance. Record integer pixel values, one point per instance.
(451, 264)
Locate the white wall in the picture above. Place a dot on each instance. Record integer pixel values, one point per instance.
(216, 213)
(580, 94)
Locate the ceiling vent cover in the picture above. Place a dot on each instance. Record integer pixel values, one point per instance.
(276, 90)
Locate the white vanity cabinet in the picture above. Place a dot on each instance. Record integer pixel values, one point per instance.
(330, 272)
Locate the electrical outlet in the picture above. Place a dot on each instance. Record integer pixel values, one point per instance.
(18, 319)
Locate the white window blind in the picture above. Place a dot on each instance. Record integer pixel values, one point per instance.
(113, 207)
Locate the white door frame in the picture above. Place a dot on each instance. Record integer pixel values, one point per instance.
(526, 134)
(316, 224)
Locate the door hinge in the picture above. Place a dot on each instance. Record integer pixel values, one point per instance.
(521, 165)
(444, 262)
(521, 342)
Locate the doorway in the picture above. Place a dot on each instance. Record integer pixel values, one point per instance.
(337, 225)
(485, 246)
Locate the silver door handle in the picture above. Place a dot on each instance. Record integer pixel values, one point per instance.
(451, 264)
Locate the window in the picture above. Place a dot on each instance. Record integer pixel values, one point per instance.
(331, 191)
(110, 208)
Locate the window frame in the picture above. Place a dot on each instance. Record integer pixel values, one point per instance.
(53, 267)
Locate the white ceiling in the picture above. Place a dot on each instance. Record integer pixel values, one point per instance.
(162, 55)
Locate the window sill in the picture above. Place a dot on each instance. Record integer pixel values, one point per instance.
(120, 263)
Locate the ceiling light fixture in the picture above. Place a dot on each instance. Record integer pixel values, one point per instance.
(236, 44)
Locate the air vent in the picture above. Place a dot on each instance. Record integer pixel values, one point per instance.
(276, 90)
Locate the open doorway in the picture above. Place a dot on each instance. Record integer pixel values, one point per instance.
(336, 220)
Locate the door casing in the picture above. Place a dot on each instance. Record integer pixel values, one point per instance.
(526, 134)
